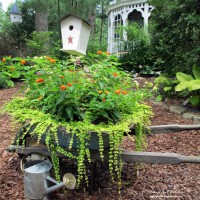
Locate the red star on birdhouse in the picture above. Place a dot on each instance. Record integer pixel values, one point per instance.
(70, 38)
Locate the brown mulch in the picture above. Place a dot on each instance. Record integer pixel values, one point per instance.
(154, 181)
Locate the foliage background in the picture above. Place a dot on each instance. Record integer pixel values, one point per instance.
(176, 33)
(43, 16)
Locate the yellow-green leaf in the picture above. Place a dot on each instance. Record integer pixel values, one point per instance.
(196, 72)
(194, 85)
(181, 86)
(182, 77)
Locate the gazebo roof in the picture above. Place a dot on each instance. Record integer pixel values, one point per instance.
(15, 9)
(123, 3)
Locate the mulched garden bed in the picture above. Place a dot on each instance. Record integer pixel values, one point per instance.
(152, 182)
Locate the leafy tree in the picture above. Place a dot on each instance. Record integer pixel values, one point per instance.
(176, 34)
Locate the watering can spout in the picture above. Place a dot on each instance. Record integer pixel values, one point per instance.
(69, 181)
(57, 186)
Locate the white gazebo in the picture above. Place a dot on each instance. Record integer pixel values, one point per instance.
(122, 11)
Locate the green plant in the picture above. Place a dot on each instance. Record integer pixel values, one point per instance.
(94, 45)
(10, 69)
(165, 87)
(175, 35)
(82, 96)
(138, 50)
(189, 85)
(40, 43)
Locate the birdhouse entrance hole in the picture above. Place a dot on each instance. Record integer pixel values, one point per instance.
(71, 27)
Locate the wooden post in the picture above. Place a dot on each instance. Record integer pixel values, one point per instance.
(158, 158)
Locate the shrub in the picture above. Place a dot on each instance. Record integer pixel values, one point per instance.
(10, 69)
(138, 55)
(165, 87)
(176, 34)
(42, 43)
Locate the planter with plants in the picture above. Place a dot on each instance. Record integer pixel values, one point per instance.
(84, 104)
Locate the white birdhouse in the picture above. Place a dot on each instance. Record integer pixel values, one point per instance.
(75, 34)
(15, 14)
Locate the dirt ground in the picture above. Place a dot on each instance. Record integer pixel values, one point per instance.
(153, 182)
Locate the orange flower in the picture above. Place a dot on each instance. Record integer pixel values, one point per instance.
(106, 92)
(39, 80)
(48, 58)
(63, 87)
(61, 76)
(39, 98)
(12, 68)
(3, 60)
(107, 53)
(103, 100)
(23, 62)
(99, 52)
(52, 60)
(69, 84)
(124, 92)
(115, 74)
(117, 91)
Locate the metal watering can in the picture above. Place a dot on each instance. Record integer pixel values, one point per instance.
(37, 181)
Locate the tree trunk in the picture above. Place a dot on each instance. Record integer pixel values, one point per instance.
(41, 21)
(102, 19)
(91, 20)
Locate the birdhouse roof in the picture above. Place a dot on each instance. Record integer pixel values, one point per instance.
(15, 9)
(69, 15)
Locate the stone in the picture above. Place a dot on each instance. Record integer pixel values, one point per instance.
(196, 119)
(177, 109)
(189, 115)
